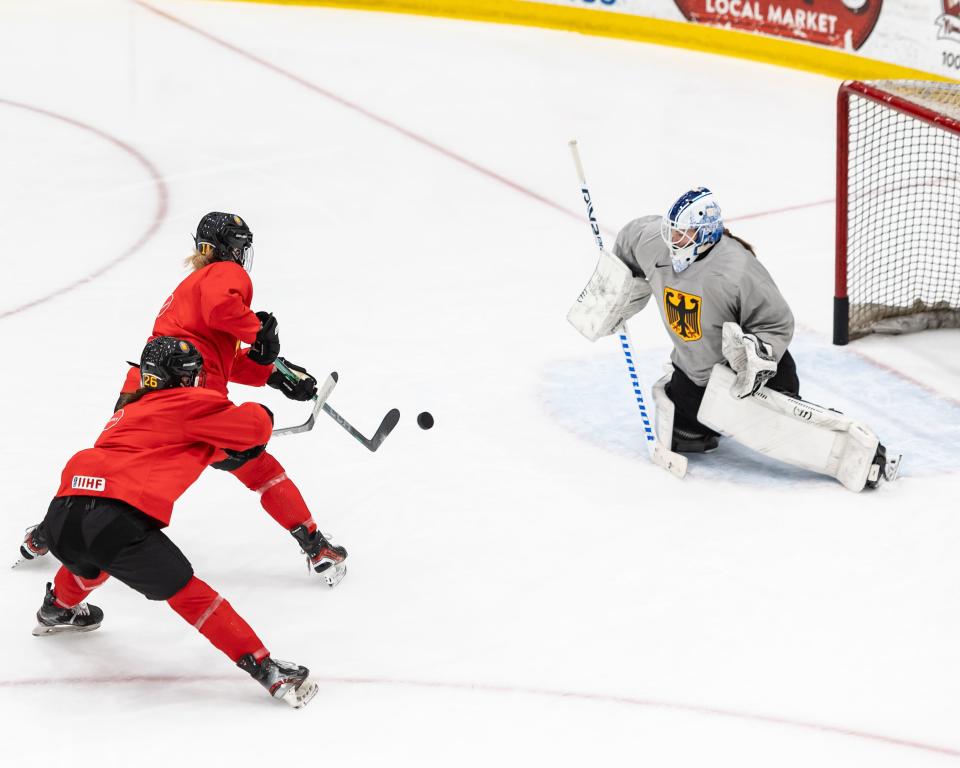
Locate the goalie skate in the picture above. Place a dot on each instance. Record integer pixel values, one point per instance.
(884, 467)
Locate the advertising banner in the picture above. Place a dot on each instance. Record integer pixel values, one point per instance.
(917, 34)
(839, 23)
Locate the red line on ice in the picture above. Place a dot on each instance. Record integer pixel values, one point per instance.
(422, 140)
(344, 102)
(159, 214)
(785, 209)
(600, 698)
(418, 138)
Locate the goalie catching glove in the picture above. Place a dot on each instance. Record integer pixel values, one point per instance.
(612, 296)
(751, 359)
(304, 388)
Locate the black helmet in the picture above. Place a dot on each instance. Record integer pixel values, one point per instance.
(227, 237)
(167, 362)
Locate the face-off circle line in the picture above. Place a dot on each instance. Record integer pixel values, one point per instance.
(160, 212)
(585, 696)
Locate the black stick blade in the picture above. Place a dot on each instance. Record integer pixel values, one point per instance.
(385, 428)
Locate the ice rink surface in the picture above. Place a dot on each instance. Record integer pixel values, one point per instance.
(524, 588)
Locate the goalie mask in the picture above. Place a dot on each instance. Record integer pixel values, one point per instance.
(167, 362)
(692, 225)
(227, 237)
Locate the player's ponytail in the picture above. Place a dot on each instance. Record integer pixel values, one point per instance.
(197, 260)
(128, 398)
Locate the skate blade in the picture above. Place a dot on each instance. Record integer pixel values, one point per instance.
(25, 559)
(334, 574)
(299, 697)
(42, 630)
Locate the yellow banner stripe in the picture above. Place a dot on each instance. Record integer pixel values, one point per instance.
(745, 45)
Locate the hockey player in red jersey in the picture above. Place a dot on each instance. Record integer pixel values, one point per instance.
(116, 498)
(211, 309)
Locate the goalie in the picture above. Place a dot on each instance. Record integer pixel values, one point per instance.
(731, 372)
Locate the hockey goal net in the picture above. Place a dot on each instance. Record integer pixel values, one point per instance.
(898, 208)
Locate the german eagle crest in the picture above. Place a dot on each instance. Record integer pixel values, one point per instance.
(682, 311)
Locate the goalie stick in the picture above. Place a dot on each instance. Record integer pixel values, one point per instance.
(372, 443)
(659, 454)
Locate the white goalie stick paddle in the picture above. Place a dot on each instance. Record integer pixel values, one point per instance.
(660, 455)
(319, 400)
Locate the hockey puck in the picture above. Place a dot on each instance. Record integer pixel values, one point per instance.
(425, 420)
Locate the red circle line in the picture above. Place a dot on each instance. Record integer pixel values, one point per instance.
(159, 215)
(601, 698)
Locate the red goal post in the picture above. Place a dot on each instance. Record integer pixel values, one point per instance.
(898, 208)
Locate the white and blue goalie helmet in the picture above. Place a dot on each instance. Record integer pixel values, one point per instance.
(691, 226)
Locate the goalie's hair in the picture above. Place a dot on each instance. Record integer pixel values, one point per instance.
(744, 243)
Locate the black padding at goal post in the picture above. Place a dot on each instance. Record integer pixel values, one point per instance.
(841, 320)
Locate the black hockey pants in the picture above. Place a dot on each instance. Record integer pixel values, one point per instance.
(90, 534)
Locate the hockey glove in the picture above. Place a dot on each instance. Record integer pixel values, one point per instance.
(236, 459)
(304, 388)
(266, 346)
(751, 359)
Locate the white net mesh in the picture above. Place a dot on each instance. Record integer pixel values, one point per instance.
(903, 208)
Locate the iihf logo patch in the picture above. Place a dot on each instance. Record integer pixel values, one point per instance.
(682, 311)
(113, 421)
(85, 483)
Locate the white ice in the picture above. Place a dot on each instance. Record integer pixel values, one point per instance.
(524, 587)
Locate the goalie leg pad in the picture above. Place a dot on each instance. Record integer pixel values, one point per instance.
(669, 433)
(663, 413)
(791, 430)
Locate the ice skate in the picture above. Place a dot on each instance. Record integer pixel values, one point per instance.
(34, 545)
(687, 441)
(285, 681)
(884, 467)
(52, 619)
(322, 556)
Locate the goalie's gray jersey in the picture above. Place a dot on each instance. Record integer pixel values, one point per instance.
(729, 284)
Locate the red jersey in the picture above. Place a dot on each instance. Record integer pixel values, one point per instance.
(152, 450)
(211, 310)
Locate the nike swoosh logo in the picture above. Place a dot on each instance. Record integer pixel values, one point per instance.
(661, 266)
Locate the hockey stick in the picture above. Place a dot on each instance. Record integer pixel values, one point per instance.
(372, 443)
(319, 400)
(659, 454)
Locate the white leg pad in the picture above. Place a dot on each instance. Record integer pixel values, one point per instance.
(791, 430)
(663, 415)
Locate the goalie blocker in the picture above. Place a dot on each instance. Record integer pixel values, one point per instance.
(797, 432)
